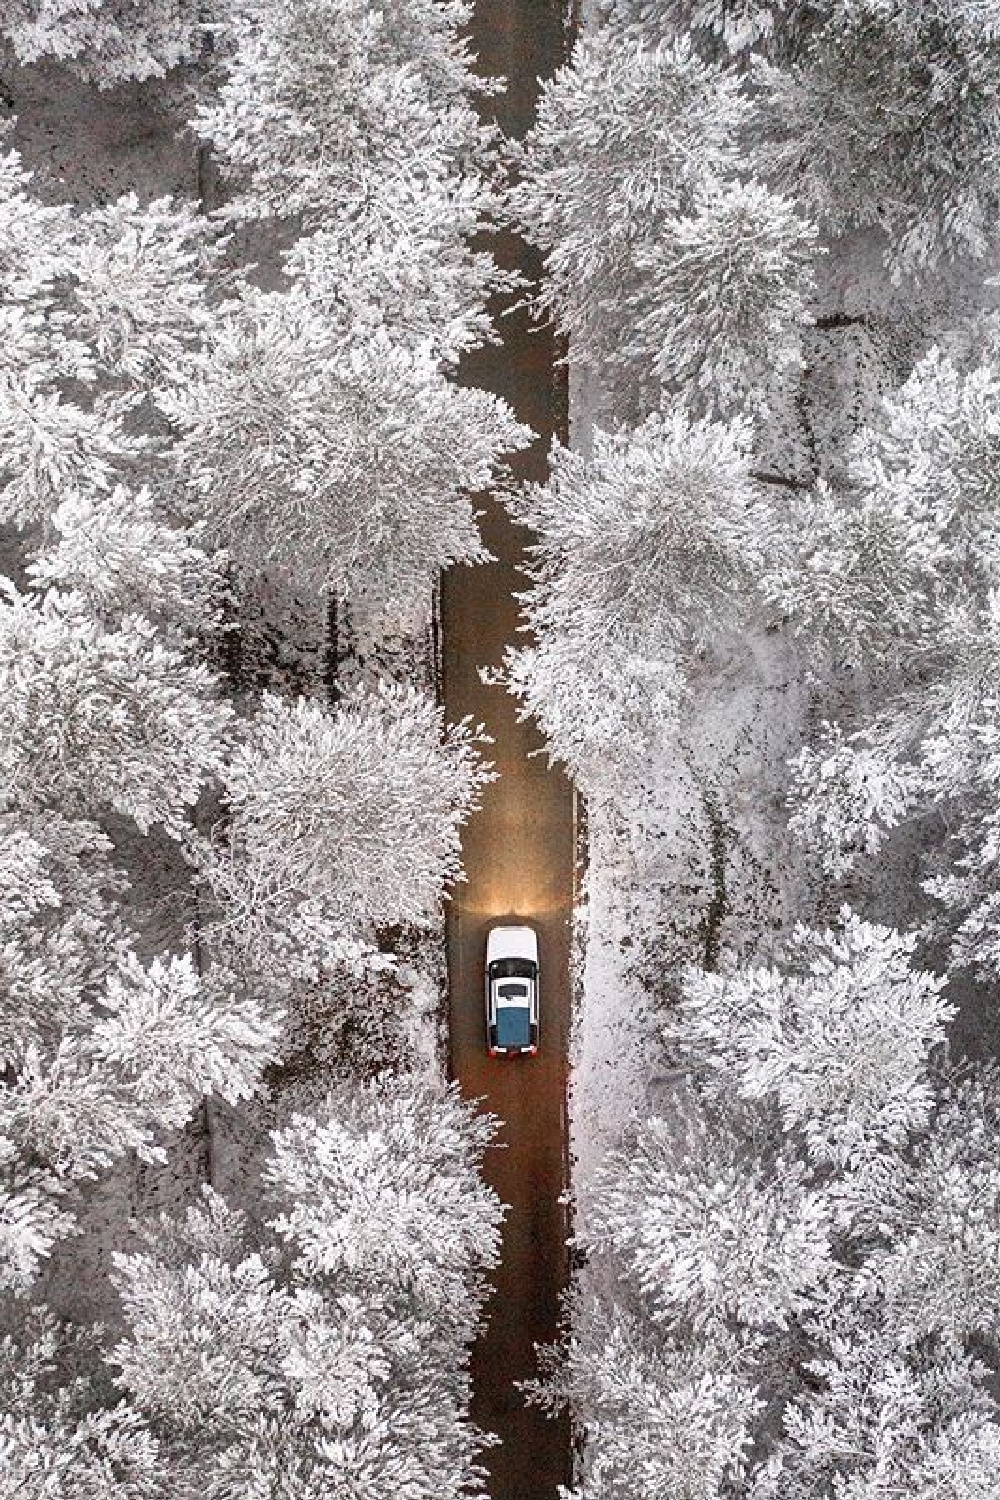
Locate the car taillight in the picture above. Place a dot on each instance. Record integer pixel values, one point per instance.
(495, 1051)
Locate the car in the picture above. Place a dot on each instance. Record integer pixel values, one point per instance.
(511, 991)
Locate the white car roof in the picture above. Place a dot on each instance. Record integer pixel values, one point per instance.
(511, 942)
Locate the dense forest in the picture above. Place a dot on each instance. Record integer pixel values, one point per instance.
(245, 1237)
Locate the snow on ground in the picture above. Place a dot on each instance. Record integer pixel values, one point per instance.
(93, 145)
(695, 867)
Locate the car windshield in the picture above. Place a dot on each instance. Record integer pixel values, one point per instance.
(512, 968)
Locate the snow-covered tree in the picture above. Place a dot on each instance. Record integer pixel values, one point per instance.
(847, 795)
(33, 1216)
(350, 815)
(107, 42)
(342, 109)
(100, 1055)
(418, 280)
(799, 1262)
(58, 1439)
(643, 549)
(133, 288)
(658, 528)
(102, 718)
(656, 1420)
(723, 296)
(173, 1035)
(707, 1236)
(626, 135)
(124, 287)
(51, 445)
(603, 708)
(349, 465)
(386, 1197)
(33, 235)
(726, 27)
(59, 930)
(102, 1455)
(207, 1340)
(899, 572)
(47, 440)
(137, 1055)
(308, 122)
(265, 1388)
(93, 305)
(117, 553)
(931, 1227)
(879, 567)
(839, 1037)
(880, 1424)
(888, 117)
(323, 1370)
(854, 574)
(931, 451)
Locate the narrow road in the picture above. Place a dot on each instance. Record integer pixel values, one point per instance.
(518, 854)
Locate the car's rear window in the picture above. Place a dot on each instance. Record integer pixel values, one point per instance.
(514, 1026)
(512, 991)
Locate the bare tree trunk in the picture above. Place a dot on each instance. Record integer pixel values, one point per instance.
(434, 632)
(331, 664)
(207, 1111)
(206, 177)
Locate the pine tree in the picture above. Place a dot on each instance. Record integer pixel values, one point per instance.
(839, 1037)
(134, 285)
(102, 1055)
(102, 718)
(319, 96)
(708, 1237)
(847, 795)
(881, 1424)
(349, 466)
(900, 568)
(625, 137)
(724, 297)
(659, 524)
(137, 1059)
(729, 27)
(643, 550)
(117, 553)
(386, 1198)
(888, 119)
(807, 1288)
(351, 816)
(32, 1218)
(320, 1370)
(602, 706)
(107, 42)
(51, 445)
(934, 1228)
(855, 574)
(419, 282)
(656, 1420)
(95, 304)
(60, 929)
(58, 1441)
